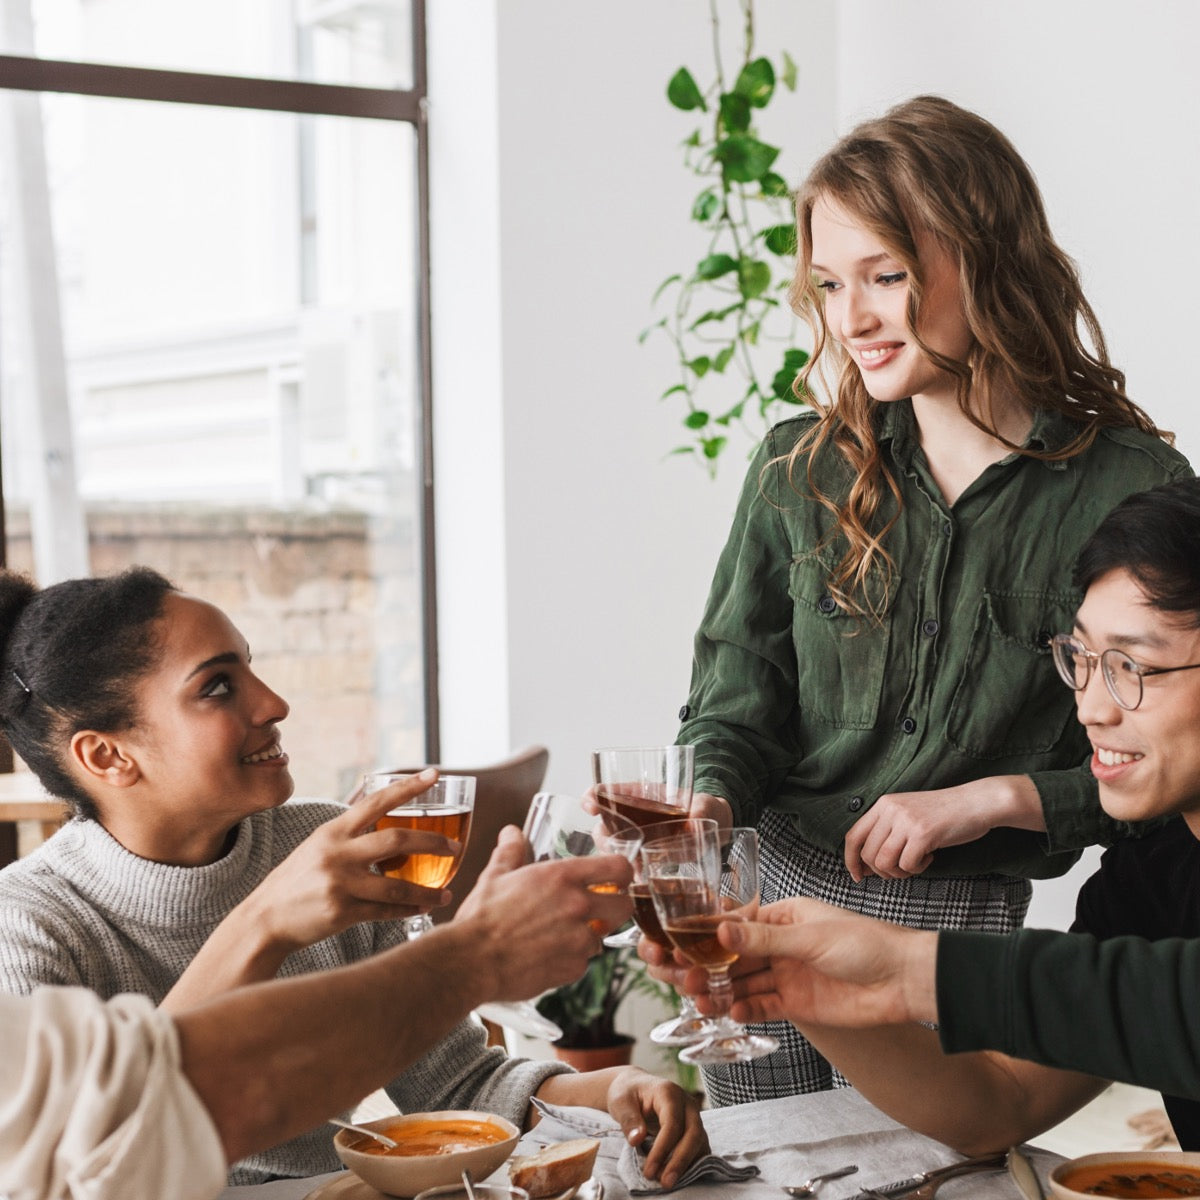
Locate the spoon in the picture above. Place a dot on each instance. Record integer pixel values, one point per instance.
(809, 1188)
(466, 1178)
(1021, 1169)
(379, 1137)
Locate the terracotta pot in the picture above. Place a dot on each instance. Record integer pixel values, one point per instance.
(595, 1058)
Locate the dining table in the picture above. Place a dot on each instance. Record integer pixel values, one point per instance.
(789, 1140)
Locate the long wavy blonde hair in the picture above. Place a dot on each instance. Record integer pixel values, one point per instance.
(928, 165)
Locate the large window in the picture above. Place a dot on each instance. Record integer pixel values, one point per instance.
(213, 343)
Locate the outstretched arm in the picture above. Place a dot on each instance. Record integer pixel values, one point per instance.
(323, 887)
(856, 987)
(274, 1059)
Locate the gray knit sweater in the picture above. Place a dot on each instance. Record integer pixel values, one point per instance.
(82, 910)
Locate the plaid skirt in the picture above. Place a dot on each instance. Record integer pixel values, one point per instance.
(790, 866)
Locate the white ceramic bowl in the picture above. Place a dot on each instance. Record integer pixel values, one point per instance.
(408, 1174)
(1125, 1162)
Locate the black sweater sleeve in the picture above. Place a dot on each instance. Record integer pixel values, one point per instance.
(1121, 1008)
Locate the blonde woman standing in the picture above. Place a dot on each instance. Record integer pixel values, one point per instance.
(873, 683)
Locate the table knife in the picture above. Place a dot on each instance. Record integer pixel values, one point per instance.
(900, 1187)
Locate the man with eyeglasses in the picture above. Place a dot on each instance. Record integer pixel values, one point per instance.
(1037, 1022)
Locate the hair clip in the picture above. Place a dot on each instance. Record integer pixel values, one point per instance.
(24, 686)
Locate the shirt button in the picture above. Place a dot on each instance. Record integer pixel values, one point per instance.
(908, 725)
(947, 528)
(1044, 638)
(685, 712)
(827, 604)
(856, 802)
(929, 628)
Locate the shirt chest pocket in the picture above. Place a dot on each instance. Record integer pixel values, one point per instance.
(840, 659)
(1010, 699)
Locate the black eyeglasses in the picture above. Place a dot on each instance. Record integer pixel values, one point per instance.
(1122, 675)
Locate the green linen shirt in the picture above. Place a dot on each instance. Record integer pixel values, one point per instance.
(797, 706)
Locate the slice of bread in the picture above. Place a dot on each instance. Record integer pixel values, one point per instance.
(555, 1169)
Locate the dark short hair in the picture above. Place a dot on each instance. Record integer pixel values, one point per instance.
(71, 656)
(1155, 536)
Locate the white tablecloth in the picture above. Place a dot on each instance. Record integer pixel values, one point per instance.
(789, 1140)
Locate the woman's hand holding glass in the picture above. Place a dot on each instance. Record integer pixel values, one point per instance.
(443, 806)
(699, 879)
(327, 883)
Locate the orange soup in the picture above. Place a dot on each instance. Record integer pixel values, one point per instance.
(432, 1137)
(1134, 1180)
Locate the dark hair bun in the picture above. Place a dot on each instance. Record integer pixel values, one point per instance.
(16, 591)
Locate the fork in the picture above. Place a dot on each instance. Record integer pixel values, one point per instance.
(927, 1189)
(809, 1187)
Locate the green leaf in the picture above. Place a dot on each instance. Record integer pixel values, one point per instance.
(785, 377)
(649, 330)
(682, 450)
(756, 81)
(750, 333)
(714, 315)
(699, 366)
(789, 73)
(697, 419)
(774, 185)
(706, 206)
(694, 140)
(662, 287)
(722, 359)
(679, 387)
(711, 447)
(781, 240)
(754, 277)
(735, 112)
(744, 158)
(683, 92)
(716, 265)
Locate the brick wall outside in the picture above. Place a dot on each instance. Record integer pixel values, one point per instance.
(329, 603)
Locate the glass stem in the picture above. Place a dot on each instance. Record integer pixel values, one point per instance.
(720, 992)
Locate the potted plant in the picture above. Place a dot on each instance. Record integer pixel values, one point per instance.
(736, 361)
(586, 1010)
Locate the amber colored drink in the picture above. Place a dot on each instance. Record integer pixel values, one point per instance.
(696, 939)
(426, 870)
(641, 810)
(645, 916)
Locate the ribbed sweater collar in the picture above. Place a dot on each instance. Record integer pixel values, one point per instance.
(117, 881)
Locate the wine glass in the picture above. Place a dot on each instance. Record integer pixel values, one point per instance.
(445, 807)
(645, 785)
(556, 826)
(699, 879)
(650, 785)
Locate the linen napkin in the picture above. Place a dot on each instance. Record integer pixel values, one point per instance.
(590, 1122)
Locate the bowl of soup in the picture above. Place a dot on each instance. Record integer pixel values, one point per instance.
(434, 1148)
(1129, 1175)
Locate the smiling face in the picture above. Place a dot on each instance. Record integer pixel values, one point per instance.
(1147, 761)
(205, 749)
(865, 287)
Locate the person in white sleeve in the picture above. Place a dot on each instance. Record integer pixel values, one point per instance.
(120, 1100)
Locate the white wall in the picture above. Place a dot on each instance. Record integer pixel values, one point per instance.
(552, 476)
(561, 203)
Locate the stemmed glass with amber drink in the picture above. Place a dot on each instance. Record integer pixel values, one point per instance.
(445, 808)
(647, 785)
(651, 786)
(698, 879)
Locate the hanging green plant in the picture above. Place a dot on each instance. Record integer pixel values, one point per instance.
(729, 321)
